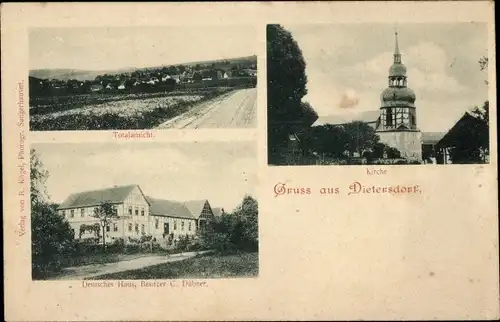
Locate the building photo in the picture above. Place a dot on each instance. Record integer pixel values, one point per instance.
(147, 210)
(378, 94)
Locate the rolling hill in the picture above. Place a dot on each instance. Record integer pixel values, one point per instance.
(65, 74)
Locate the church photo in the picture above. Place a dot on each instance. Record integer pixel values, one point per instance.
(378, 94)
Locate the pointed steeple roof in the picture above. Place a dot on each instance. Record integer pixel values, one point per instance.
(397, 54)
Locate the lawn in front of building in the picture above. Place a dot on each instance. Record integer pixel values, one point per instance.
(201, 266)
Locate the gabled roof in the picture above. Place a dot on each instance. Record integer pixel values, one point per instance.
(431, 137)
(168, 208)
(195, 206)
(95, 197)
(464, 127)
(217, 212)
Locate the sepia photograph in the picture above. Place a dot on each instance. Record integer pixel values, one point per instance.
(112, 211)
(142, 78)
(353, 94)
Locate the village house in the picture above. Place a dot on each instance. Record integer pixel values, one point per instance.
(137, 214)
(96, 88)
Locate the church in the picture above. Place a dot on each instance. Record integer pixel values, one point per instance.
(397, 124)
(396, 121)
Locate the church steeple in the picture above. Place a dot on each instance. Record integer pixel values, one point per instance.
(397, 54)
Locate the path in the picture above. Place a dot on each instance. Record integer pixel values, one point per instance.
(94, 270)
(236, 109)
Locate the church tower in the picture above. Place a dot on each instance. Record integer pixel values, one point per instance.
(397, 126)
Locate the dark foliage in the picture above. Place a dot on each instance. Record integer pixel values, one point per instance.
(286, 77)
(237, 231)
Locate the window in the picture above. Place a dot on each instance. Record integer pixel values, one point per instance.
(175, 224)
(182, 225)
(130, 227)
(388, 117)
(136, 212)
(64, 213)
(189, 226)
(130, 211)
(107, 228)
(157, 223)
(115, 210)
(137, 228)
(72, 213)
(115, 227)
(143, 228)
(142, 211)
(82, 212)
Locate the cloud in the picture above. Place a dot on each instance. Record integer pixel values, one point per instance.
(349, 99)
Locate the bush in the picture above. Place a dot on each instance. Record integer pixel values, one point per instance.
(52, 240)
(116, 246)
(234, 232)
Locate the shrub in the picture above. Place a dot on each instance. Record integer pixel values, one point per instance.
(52, 240)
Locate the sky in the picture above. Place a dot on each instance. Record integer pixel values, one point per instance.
(222, 172)
(348, 65)
(124, 47)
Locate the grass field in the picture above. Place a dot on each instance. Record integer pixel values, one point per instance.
(109, 111)
(202, 266)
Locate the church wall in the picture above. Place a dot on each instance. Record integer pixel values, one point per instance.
(408, 143)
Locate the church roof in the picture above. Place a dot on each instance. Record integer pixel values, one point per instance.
(431, 137)
(397, 69)
(338, 119)
(96, 197)
(393, 95)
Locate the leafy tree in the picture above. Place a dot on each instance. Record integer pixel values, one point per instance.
(361, 137)
(483, 65)
(247, 213)
(106, 213)
(471, 142)
(393, 153)
(483, 127)
(170, 84)
(38, 179)
(326, 139)
(234, 231)
(287, 80)
(51, 235)
(51, 239)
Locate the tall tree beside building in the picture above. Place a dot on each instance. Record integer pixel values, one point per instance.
(106, 214)
(51, 235)
(287, 79)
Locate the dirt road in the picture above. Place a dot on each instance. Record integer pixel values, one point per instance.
(94, 270)
(237, 109)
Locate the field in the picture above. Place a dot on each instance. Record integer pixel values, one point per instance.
(201, 266)
(114, 111)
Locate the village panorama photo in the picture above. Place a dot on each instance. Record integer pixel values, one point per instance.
(355, 94)
(144, 211)
(126, 78)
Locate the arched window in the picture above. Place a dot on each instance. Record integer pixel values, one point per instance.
(388, 117)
